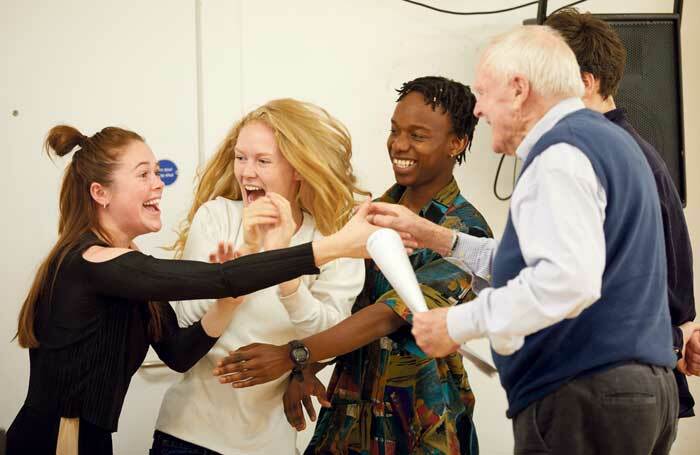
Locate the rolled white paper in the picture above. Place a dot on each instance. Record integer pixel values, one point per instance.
(386, 249)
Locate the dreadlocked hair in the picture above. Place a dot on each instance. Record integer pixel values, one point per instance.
(454, 98)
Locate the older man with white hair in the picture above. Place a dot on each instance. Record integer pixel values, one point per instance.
(576, 312)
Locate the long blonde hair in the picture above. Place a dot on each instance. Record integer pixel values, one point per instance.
(318, 147)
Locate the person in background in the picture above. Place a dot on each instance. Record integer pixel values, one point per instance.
(386, 394)
(298, 153)
(601, 56)
(96, 303)
(576, 311)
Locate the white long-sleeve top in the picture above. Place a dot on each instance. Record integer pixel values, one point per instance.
(558, 211)
(248, 421)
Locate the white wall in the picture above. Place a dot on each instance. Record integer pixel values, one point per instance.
(91, 64)
(135, 65)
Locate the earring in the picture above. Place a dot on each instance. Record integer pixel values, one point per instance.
(104, 205)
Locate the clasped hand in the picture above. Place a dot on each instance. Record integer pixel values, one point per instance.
(267, 224)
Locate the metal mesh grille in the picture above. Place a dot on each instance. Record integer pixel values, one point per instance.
(649, 90)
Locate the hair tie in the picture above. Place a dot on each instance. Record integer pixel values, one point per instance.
(83, 141)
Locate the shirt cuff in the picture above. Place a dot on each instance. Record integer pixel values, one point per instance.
(300, 304)
(475, 253)
(465, 323)
(506, 345)
(462, 323)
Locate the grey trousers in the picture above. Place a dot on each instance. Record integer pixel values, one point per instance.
(631, 409)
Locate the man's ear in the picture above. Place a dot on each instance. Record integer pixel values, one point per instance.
(521, 90)
(590, 84)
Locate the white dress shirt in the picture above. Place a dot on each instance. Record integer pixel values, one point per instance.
(558, 211)
(250, 421)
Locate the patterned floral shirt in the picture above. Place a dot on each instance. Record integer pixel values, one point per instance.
(389, 397)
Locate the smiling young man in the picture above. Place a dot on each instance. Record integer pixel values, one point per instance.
(387, 395)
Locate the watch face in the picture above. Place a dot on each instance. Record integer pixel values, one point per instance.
(300, 355)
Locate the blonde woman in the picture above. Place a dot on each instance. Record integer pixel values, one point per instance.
(290, 154)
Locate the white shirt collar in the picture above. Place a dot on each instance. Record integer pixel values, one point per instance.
(546, 123)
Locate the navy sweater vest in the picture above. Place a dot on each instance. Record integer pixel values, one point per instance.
(630, 321)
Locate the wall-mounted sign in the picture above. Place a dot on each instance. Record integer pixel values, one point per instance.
(168, 171)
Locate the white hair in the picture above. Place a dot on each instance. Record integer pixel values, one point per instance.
(540, 54)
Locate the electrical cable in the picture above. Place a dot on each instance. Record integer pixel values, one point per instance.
(495, 180)
(470, 13)
(476, 13)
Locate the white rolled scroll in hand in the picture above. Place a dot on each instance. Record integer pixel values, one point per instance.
(387, 250)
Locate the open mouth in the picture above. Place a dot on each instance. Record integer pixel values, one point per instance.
(252, 193)
(403, 164)
(152, 205)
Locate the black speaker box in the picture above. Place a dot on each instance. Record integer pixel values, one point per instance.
(651, 89)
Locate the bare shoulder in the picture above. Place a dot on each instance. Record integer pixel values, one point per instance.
(98, 253)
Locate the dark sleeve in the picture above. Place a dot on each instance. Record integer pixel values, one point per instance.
(679, 253)
(136, 276)
(180, 348)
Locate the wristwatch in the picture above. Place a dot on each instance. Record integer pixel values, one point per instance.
(299, 354)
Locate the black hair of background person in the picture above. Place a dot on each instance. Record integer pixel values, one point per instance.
(456, 99)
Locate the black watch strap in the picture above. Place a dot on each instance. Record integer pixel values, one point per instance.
(297, 374)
